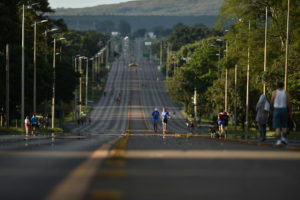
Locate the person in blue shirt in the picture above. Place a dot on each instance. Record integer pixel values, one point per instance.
(155, 115)
(33, 122)
(165, 116)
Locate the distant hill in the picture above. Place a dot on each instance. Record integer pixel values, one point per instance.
(149, 8)
(86, 22)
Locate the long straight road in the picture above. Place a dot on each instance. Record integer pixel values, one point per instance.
(118, 156)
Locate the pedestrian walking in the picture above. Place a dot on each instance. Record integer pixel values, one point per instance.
(226, 119)
(262, 115)
(165, 116)
(27, 124)
(33, 123)
(280, 102)
(155, 115)
(221, 122)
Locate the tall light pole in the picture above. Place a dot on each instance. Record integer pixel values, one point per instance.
(7, 85)
(248, 81)
(34, 64)
(219, 55)
(23, 67)
(93, 75)
(265, 49)
(80, 85)
(54, 79)
(46, 46)
(86, 82)
(76, 90)
(161, 53)
(226, 80)
(287, 47)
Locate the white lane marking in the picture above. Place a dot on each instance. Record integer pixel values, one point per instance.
(75, 185)
(212, 154)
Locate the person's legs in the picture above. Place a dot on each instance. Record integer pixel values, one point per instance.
(26, 128)
(262, 131)
(221, 132)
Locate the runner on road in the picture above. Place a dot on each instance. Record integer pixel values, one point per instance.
(280, 102)
(165, 116)
(155, 115)
(221, 122)
(33, 123)
(27, 124)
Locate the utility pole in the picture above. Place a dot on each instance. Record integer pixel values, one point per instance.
(53, 86)
(235, 96)
(93, 76)
(219, 60)
(168, 54)
(7, 85)
(76, 91)
(107, 54)
(23, 70)
(34, 69)
(86, 82)
(265, 49)
(248, 84)
(287, 47)
(161, 47)
(54, 79)
(226, 80)
(80, 85)
(195, 105)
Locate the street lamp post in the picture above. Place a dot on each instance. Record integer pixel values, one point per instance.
(287, 47)
(23, 69)
(7, 85)
(86, 82)
(53, 84)
(46, 46)
(265, 49)
(219, 55)
(93, 76)
(23, 66)
(248, 80)
(34, 64)
(80, 85)
(226, 80)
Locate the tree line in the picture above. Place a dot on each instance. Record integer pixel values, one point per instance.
(199, 58)
(85, 43)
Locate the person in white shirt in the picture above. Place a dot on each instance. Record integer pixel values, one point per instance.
(280, 102)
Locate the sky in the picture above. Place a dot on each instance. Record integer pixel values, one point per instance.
(81, 3)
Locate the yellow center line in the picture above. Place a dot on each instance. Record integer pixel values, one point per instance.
(75, 185)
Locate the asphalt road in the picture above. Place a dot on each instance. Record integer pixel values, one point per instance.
(119, 157)
(155, 166)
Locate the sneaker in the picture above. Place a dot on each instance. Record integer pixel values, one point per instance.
(278, 142)
(284, 140)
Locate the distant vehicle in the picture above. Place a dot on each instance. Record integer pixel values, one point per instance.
(134, 64)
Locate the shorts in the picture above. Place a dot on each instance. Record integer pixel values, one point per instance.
(155, 121)
(221, 122)
(165, 121)
(280, 118)
(33, 125)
